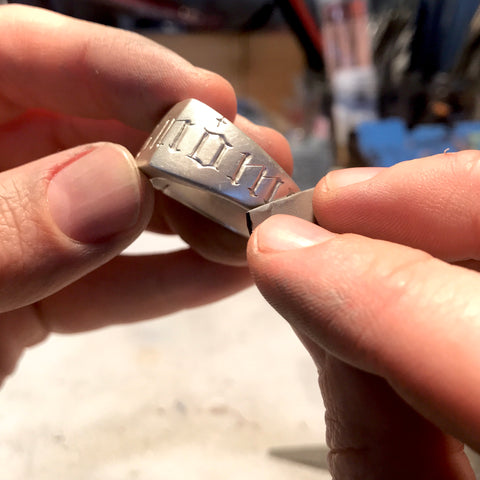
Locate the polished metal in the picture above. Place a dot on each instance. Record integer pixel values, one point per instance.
(202, 160)
(299, 205)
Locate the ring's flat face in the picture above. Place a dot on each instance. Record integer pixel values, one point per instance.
(201, 159)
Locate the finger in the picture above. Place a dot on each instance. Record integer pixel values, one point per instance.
(430, 203)
(105, 72)
(132, 288)
(49, 132)
(63, 216)
(386, 309)
(373, 434)
(127, 289)
(206, 237)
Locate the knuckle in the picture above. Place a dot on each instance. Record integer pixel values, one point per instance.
(392, 290)
(402, 280)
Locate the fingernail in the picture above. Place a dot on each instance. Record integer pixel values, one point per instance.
(348, 176)
(281, 233)
(96, 195)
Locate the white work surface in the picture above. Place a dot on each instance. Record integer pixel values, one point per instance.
(201, 394)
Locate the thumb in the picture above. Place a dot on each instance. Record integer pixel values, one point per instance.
(409, 320)
(64, 215)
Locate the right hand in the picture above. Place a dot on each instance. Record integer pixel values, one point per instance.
(391, 322)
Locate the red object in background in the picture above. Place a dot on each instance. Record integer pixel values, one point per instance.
(357, 8)
(308, 22)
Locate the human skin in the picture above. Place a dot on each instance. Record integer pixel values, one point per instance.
(75, 99)
(375, 295)
(384, 296)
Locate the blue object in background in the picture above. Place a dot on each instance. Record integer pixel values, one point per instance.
(386, 142)
(425, 140)
(382, 143)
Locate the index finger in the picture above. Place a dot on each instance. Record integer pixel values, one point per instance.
(53, 62)
(429, 203)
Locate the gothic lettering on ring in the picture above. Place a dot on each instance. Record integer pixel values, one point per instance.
(213, 150)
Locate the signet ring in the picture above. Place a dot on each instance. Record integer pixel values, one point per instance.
(199, 158)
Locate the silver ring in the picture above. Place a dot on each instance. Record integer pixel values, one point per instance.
(199, 158)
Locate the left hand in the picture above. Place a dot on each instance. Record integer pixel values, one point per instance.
(65, 83)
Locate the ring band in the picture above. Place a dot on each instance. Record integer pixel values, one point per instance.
(199, 158)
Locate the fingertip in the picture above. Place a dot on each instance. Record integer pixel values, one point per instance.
(97, 193)
(336, 179)
(216, 92)
(69, 213)
(282, 233)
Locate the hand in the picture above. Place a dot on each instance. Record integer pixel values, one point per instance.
(385, 298)
(67, 211)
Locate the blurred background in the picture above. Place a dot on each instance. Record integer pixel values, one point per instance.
(349, 82)
(227, 390)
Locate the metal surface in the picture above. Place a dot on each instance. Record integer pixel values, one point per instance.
(200, 159)
(315, 456)
(298, 205)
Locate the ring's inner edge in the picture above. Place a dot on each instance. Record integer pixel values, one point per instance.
(229, 214)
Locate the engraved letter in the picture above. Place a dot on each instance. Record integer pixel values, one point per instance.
(210, 149)
(236, 175)
(266, 187)
(171, 134)
(181, 127)
(261, 184)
